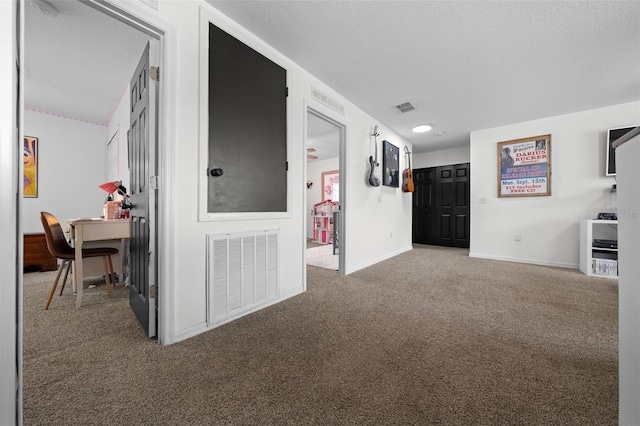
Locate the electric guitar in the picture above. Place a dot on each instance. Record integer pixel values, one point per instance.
(373, 172)
(407, 174)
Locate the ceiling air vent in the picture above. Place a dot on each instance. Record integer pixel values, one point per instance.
(405, 107)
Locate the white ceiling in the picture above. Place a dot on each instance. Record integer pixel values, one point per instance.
(464, 65)
(79, 63)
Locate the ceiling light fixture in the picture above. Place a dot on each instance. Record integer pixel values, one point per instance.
(45, 8)
(421, 128)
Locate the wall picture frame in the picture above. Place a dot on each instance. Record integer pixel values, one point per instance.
(390, 164)
(30, 166)
(524, 167)
(612, 136)
(331, 185)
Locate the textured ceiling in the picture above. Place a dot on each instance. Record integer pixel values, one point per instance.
(464, 65)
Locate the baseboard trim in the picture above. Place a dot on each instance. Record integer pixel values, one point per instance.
(529, 261)
(378, 260)
(202, 327)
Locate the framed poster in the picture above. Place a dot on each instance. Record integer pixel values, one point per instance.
(524, 167)
(390, 164)
(331, 186)
(30, 172)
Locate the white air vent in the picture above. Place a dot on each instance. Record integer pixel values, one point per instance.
(405, 107)
(242, 273)
(327, 100)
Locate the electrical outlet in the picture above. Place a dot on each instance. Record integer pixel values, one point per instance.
(517, 237)
(483, 200)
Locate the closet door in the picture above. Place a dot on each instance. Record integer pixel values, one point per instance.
(441, 206)
(452, 206)
(423, 227)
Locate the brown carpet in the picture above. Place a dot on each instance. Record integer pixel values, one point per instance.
(428, 337)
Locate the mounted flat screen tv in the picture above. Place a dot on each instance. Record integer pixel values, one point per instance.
(612, 136)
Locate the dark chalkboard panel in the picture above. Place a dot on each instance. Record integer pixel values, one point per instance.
(247, 128)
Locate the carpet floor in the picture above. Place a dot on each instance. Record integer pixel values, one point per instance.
(430, 337)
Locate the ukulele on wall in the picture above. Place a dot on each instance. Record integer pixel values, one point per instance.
(407, 174)
(374, 180)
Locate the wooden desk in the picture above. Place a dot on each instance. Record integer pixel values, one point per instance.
(93, 230)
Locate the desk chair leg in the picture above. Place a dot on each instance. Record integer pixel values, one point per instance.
(66, 274)
(107, 275)
(55, 284)
(113, 274)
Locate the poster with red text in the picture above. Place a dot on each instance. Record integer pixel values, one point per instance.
(524, 167)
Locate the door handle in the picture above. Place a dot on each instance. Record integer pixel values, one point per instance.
(217, 172)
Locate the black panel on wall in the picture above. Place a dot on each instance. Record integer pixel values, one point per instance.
(247, 128)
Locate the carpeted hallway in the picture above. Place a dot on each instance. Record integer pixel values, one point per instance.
(428, 337)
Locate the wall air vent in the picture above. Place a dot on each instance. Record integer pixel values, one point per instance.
(405, 107)
(327, 100)
(242, 273)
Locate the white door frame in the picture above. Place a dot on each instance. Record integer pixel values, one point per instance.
(142, 17)
(10, 214)
(339, 122)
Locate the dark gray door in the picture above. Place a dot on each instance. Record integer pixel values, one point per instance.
(142, 140)
(247, 128)
(452, 206)
(441, 206)
(423, 205)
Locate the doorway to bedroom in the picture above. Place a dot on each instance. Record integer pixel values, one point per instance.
(325, 196)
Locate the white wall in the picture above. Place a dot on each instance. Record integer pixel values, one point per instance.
(549, 226)
(314, 194)
(444, 157)
(118, 128)
(71, 156)
(628, 174)
(377, 219)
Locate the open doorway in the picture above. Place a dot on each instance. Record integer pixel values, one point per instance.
(58, 61)
(325, 192)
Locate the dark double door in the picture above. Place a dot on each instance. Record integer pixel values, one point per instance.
(441, 205)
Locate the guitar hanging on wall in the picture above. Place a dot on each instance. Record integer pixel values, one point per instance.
(407, 174)
(374, 180)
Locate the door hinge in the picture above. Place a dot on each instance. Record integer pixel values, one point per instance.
(153, 291)
(155, 73)
(286, 92)
(153, 182)
(287, 166)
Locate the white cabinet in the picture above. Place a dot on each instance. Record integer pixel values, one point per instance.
(599, 248)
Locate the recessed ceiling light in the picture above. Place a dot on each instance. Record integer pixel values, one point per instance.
(421, 128)
(45, 8)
